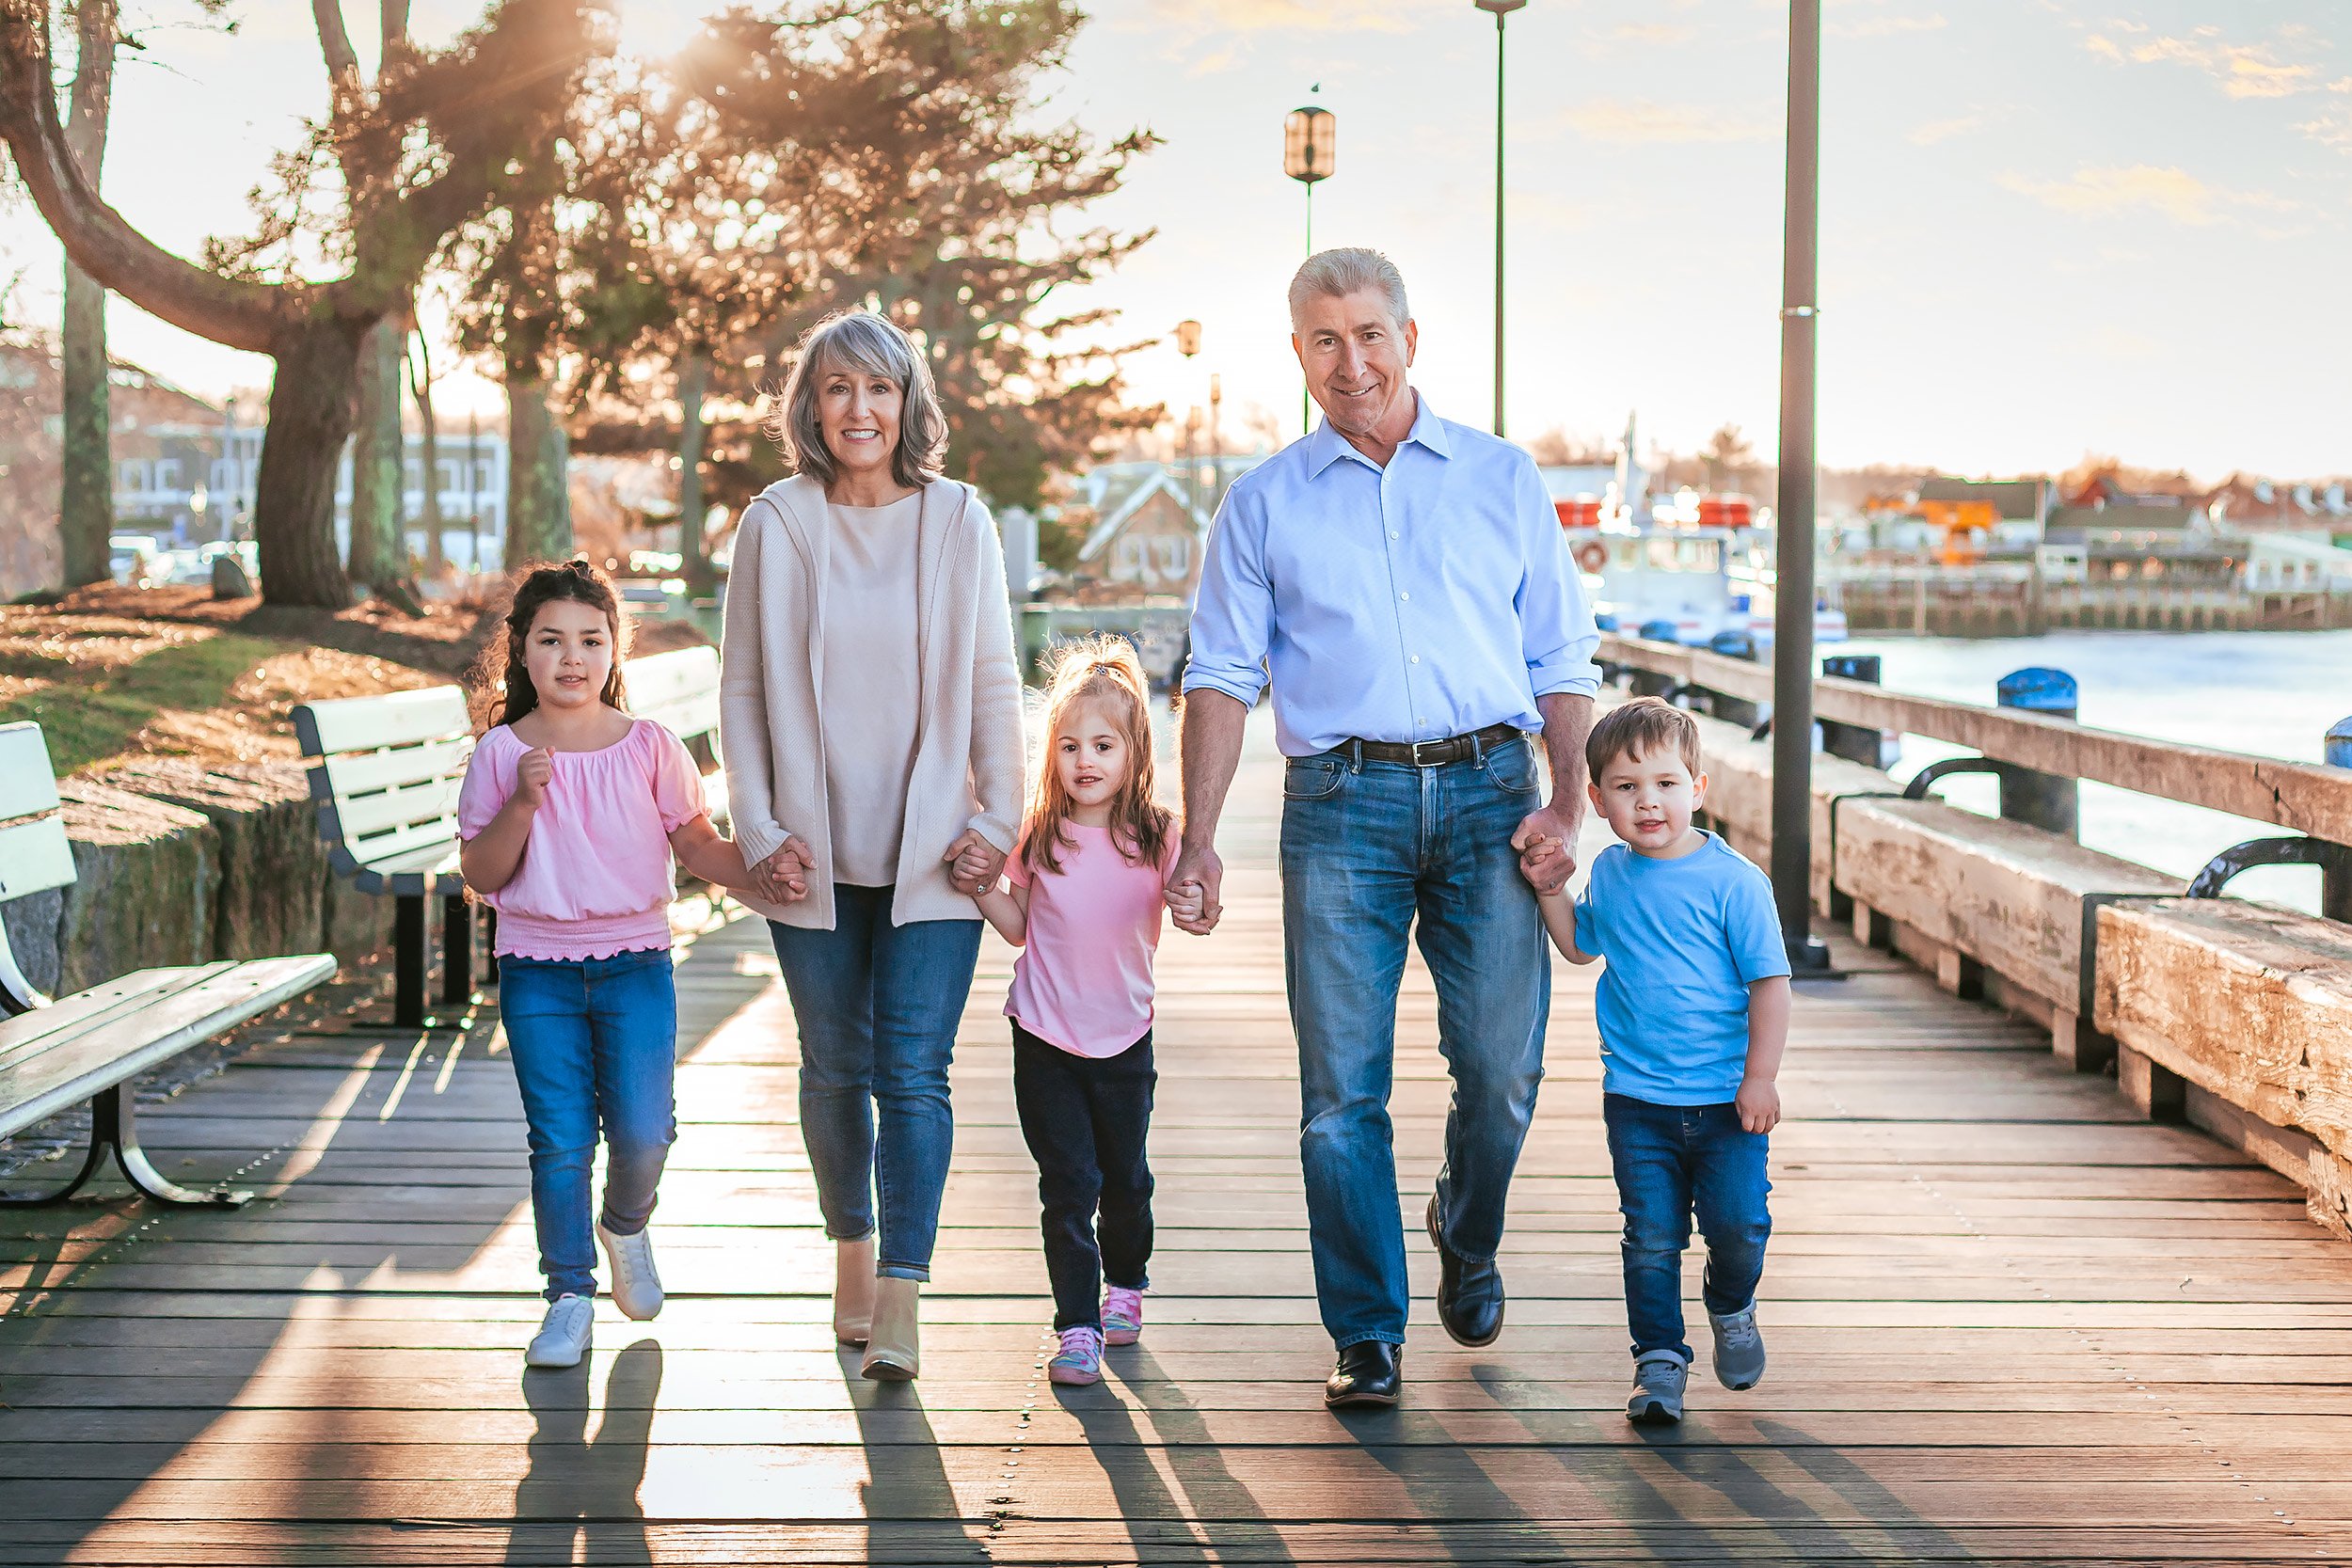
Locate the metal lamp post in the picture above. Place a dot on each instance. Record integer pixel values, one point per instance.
(1311, 150)
(1189, 344)
(1792, 603)
(1501, 10)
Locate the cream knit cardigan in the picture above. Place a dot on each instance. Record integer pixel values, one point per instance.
(968, 748)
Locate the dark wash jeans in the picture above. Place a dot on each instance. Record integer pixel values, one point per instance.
(1086, 1120)
(1672, 1161)
(878, 1007)
(1368, 850)
(595, 1047)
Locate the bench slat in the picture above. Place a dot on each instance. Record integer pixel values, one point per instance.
(361, 820)
(368, 723)
(27, 788)
(27, 1033)
(119, 1048)
(34, 858)
(362, 772)
(658, 679)
(430, 869)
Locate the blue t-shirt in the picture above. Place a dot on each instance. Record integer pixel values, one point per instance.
(1684, 938)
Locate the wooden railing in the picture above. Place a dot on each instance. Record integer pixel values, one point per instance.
(2229, 1014)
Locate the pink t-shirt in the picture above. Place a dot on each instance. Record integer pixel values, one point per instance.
(595, 877)
(1083, 981)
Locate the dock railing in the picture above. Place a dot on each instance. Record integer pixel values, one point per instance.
(2229, 1014)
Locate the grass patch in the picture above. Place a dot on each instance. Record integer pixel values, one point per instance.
(92, 716)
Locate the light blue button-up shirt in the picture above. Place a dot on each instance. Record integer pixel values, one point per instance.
(1426, 599)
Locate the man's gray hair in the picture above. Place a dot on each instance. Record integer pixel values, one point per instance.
(860, 340)
(1336, 274)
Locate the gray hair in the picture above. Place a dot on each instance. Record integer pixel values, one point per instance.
(1337, 274)
(860, 340)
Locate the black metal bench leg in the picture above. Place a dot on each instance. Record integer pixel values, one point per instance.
(114, 1126)
(489, 946)
(457, 952)
(409, 953)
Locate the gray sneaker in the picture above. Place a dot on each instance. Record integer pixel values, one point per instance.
(1738, 1348)
(1658, 1380)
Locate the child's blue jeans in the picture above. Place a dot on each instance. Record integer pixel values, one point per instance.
(1671, 1162)
(595, 1043)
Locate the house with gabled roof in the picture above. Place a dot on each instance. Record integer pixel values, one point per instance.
(1147, 535)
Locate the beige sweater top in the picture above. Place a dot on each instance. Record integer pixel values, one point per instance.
(870, 670)
(774, 729)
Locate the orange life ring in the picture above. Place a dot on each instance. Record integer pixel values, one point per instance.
(1591, 555)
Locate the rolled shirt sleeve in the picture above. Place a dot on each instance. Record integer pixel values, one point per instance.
(1555, 620)
(1233, 614)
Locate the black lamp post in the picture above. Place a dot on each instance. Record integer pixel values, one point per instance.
(1501, 10)
(1311, 150)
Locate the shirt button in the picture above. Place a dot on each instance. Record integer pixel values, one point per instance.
(1393, 534)
(1404, 595)
(1417, 658)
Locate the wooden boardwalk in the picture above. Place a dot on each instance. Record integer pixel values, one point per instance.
(2009, 1322)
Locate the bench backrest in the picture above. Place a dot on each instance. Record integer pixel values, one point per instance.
(33, 855)
(388, 771)
(678, 689)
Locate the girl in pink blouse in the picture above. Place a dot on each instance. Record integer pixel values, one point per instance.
(570, 817)
(1085, 907)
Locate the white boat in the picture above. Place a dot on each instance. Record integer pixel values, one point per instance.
(1685, 584)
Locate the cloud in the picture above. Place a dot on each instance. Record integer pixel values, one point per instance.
(2173, 192)
(1888, 26)
(1665, 32)
(1616, 119)
(2332, 128)
(2243, 70)
(1933, 131)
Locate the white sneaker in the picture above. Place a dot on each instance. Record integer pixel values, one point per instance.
(635, 1288)
(563, 1336)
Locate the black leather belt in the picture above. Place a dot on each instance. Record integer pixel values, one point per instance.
(1432, 753)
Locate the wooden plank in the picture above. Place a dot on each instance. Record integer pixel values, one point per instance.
(372, 724)
(34, 858)
(365, 772)
(367, 821)
(28, 785)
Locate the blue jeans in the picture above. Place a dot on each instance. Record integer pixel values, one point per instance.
(1670, 1160)
(878, 1007)
(595, 1045)
(1368, 846)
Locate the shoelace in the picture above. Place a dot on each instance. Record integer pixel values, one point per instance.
(1077, 1341)
(1123, 1304)
(1739, 1331)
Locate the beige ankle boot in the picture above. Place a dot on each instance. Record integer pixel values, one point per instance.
(852, 1290)
(893, 1347)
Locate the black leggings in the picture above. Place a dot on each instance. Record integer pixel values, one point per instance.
(1086, 1120)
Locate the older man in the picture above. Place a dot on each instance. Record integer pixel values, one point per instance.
(1404, 580)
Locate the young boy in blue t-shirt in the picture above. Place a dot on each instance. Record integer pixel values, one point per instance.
(1693, 1011)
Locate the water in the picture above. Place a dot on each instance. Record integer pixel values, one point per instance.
(2264, 694)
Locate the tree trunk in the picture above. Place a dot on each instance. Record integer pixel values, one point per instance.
(538, 500)
(429, 449)
(693, 381)
(85, 510)
(293, 496)
(379, 542)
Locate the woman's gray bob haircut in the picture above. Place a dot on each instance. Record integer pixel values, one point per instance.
(1337, 274)
(860, 340)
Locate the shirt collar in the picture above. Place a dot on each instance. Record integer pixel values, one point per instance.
(1327, 446)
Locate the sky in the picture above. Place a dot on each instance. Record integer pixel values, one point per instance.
(2047, 229)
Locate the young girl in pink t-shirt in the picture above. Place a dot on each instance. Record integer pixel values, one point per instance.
(570, 816)
(1085, 907)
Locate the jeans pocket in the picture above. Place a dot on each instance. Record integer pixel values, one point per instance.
(1512, 766)
(1313, 778)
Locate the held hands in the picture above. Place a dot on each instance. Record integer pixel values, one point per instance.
(1545, 841)
(783, 877)
(532, 775)
(1759, 1104)
(1195, 886)
(977, 866)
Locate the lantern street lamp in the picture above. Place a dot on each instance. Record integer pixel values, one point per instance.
(1311, 151)
(1502, 9)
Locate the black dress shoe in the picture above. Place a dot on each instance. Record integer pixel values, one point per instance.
(1470, 1296)
(1370, 1374)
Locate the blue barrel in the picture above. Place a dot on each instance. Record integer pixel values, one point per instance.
(1604, 620)
(1658, 631)
(2038, 690)
(1732, 644)
(1852, 667)
(2339, 752)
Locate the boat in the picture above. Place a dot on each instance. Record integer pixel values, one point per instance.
(1689, 573)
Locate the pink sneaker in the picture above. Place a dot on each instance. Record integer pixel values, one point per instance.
(1123, 1316)
(1080, 1360)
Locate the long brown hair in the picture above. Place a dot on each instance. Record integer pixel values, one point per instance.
(539, 586)
(1098, 669)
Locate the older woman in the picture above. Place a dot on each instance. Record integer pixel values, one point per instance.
(870, 717)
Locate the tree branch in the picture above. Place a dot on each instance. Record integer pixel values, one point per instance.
(342, 61)
(101, 242)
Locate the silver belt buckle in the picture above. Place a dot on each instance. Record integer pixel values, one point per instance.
(1419, 744)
